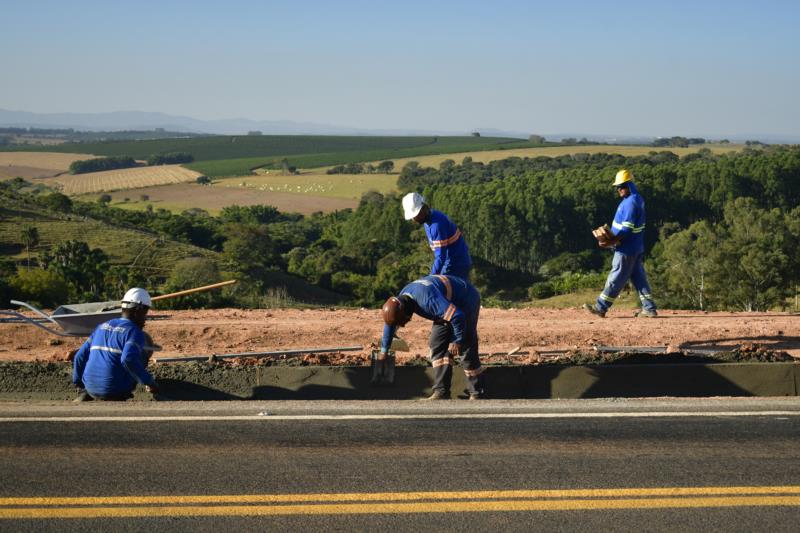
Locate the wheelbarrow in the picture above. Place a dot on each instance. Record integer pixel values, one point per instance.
(78, 320)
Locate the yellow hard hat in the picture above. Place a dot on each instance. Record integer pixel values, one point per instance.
(623, 176)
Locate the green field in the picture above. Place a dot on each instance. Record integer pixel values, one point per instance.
(237, 155)
(122, 245)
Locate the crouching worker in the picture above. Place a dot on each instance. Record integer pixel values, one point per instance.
(453, 306)
(113, 360)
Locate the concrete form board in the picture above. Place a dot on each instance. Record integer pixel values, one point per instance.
(216, 382)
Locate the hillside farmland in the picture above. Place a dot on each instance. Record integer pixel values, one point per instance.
(127, 178)
(36, 164)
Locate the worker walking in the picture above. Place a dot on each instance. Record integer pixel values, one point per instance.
(628, 244)
(450, 252)
(453, 305)
(113, 360)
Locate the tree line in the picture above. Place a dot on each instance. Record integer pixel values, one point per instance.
(118, 162)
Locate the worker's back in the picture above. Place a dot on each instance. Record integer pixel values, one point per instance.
(112, 359)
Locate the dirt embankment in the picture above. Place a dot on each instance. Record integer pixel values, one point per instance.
(539, 333)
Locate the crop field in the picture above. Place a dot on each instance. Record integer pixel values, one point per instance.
(215, 147)
(126, 178)
(351, 186)
(242, 167)
(486, 156)
(122, 245)
(36, 164)
(183, 196)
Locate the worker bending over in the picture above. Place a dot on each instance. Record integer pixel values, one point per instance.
(453, 305)
(113, 360)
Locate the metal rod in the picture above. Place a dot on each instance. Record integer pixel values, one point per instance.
(192, 291)
(256, 354)
(639, 349)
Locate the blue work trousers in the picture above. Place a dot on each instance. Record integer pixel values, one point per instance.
(623, 268)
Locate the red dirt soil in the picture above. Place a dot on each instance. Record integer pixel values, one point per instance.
(222, 331)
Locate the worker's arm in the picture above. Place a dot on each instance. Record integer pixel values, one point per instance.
(388, 335)
(131, 359)
(447, 311)
(436, 241)
(79, 364)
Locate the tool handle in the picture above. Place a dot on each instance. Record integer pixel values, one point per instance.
(191, 291)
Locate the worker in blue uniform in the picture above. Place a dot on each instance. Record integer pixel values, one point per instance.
(114, 358)
(628, 244)
(453, 305)
(450, 252)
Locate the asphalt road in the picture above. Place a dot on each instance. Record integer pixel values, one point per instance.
(731, 465)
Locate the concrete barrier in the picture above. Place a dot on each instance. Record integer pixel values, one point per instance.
(202, 381)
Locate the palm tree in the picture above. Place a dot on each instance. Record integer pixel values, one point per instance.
(30, 238)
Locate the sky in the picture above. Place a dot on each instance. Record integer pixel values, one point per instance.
(699, 68)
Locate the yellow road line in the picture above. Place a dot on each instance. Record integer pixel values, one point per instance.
(402, 496)
(400, 508)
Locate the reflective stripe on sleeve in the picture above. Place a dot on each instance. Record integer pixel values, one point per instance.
(628, 225)
(448, 315)
(444, 243)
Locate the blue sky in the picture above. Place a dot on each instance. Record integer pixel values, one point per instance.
(627, 68)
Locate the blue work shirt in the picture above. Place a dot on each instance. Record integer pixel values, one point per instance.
(447, 298)
(110, 361)
(629, 223)
(450, 252)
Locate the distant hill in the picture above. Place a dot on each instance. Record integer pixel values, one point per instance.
(142, 120)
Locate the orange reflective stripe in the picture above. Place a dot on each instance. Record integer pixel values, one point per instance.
(446, 242)
(474, 373)
(444, 361)
(448, 315)
(447, 287)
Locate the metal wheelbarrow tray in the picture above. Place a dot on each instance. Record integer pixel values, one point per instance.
(75, 320)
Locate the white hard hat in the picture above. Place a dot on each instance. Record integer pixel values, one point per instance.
(136, 297)
(412, 204)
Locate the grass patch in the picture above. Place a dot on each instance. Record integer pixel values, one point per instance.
(318, 184)
(626, 300)
(182, 196)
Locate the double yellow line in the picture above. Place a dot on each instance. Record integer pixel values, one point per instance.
(397, 502)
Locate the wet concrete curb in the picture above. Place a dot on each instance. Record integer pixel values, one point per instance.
(202, 381)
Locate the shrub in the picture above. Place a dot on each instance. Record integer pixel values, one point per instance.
(43, 288)
(541, 290)
(189, 273)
